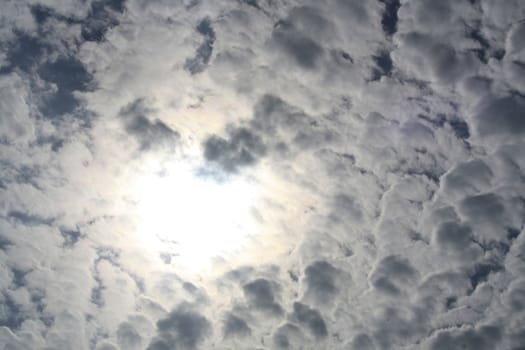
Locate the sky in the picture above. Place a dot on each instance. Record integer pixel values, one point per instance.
(262, 174)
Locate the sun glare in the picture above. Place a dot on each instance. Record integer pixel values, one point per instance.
(190, 219)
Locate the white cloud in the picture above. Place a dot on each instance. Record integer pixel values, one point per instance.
(385, 150)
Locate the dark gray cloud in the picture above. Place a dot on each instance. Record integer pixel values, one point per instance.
(149, 133)
(128, 336)
(287, 336)
(276, 128)
(500, 116)
(29, 219)
(181, 328)
(457, 239)
(26, 52)
(293, 36)
(384, 65)
(322, 281)
(11, 315)
(346, 206)
(482, 207)
(71, 237)
(102, 17)
(482, 272)
(240, 149)
(468, 178)
(393, 274)
(202, 57)
(261, 294)
(68, 75)
(434, 60)
(398, 325)
(362, 341)
(235, 326)
(389, 20)
(486, 337)
(41, 56)
(311, 319)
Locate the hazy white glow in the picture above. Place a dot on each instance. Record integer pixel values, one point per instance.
(193, 219)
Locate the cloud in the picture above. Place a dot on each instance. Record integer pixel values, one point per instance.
(51, 65)
(25, 52)
(16, 125)
(432, 60)
(288, 336)
(149, 134)
(203, 54)
(261, 294)
(348, 207)
(381, 143)
(311, 319)
(500, 117)
(241, 149)
(300, 48)
(101, 17)
(392, 274)
(362, 341)
(322, 282)
(128, 337)
(454, 237)
(68, 75)
(467, 178)
(276, 129)
(181, 328)
(482, 207)
(389, 20)
(235, 327)
(486, 337)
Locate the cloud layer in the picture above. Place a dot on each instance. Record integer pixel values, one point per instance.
(385, 141)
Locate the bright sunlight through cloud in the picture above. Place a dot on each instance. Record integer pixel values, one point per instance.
(192, 218)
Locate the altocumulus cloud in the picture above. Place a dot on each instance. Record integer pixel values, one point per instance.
(393, 132)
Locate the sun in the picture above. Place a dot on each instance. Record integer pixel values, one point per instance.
(191, 219)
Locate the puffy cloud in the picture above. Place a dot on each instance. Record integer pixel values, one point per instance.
(392, 274)
(102, 16)
(183, 328)
(149, 133)
(311, 319)
(362, 341)
(297, 46)
(17, 124)
(322, 282)
(500, 117)
(467, 178)
(380, 143)
(243, 148)
(235, 326)
(261, 295)
(203, 54)
(486, 337)
(431, 60)
(128, 336)
(288, 336)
